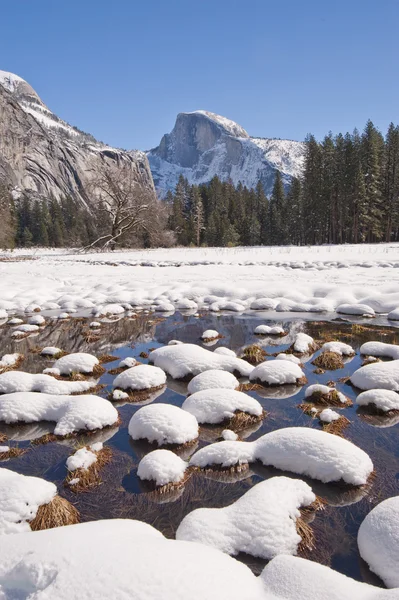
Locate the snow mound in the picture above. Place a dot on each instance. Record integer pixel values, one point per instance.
(127, 362)
(50, 351)
(217, 405)
(301, 450)
(145, 566)
(228, 434)
(142, 377)
(212, 379)
(381, 375)
(83, 458)
(384, 400)
(264, 304)
(163, 424)
(291, 357)
(394, 315)
(303, 344)
(378, 541)
(293, 578)
(328, 416)
(36, 320)
(20, 498)
(325, 390)
(19, 381)
(380, 349)
(268, 330)
(184, 360)
(339, 348)
(225, 351)
(9, 360)
(277, 372)
(260, 523)
(79, 362)
(162, 467)
(70, 413)
(210, 334)
(362, 310)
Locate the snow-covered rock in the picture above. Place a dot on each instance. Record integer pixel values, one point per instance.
(380, 349)
(19, 381)
(378, 541)
(163, 424)
(361, 310)
(260, 523)
(217, 405)
(162, 466)
(145, 566)
(277, 372)
(141, 377)
(188, 359)
(79, 362)
(212, 379)
(70, 413)
(339, 348)
(380, 375)
(268, 330)
(20, 498)
(384, 400)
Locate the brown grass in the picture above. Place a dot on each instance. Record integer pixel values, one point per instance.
(57, 513)
(300, 381)
(319, 371)
(98, 370)
(136, 395)
(302, 526)
(249, 387)
(161, 490)
(91, 390)
(3, 438)
(238, 468)
(89, 336)
(91, 477)
(117, 370)
(12, 453)
(241, 420)
(330, 361)
(368, 360)
(144, 354)
(106, 358)
(212, 339)
(311, 349)
(330, 399)
(336, 427)
(254, 354)
(306, 407)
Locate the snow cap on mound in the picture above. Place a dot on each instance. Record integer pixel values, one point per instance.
(217, 405)
(328, 416)
(210, 334)
(163, 424)
(228, 434)
(225, 351)
(212, 379)
(50, 351)
(82, 459)
(260, 523)
(19, 381)
(80, 362)
(268, 330)
(324, 390)
(264, 304)
(127, 362)
(378, 541)
(276, 372)
(162, 467)
(20, 498)
(339, 348)
(384, 400)
(9, 360)
(380, 375)
(188, 359)
(224, 454)
(70, 413)
(142, 377)
(112, 309)
(26, 328)
(291, 357)
(394, 315)
(362, 310)
(380, 349)
(303, 343)
(145, 566)
(293, 578)
(314, 453)
(36, 320)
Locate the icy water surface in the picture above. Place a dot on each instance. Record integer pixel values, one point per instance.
(122, 495)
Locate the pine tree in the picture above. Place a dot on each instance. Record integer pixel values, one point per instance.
(277, 212)
(197, 214)
(391, 182)
(372, 155)
(294, 220)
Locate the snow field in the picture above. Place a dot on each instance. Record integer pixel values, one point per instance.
(260, 523)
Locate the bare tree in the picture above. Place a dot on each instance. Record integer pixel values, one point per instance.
(124, 205)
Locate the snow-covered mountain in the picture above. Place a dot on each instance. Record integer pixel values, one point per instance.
(45, 156)
(203, 144)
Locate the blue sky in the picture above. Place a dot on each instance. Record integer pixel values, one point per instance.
(123, 70)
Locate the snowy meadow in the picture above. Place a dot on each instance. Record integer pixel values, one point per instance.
(178, 412)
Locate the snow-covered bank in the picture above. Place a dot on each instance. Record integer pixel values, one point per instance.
(299, 279)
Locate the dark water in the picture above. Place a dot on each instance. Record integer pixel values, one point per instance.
(122, 495)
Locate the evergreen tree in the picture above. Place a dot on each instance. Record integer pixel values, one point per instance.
(277, 212)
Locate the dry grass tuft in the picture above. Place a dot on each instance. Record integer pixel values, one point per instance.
(92, 390)
(3, 438)
(117, 370)
(254, 354)
(45, 439)
(330, 399)
(98, 370)
(90, 336)
(161, 490)
(241, 420)
(249, 387)
(106, 358)
(369, 360)
(136, 395)
(319, 371)
(89, 478)
(144, 354)
(336, 427)
(330, 361)
(306, 534)
(212, 339)
(57, 513)
(307, 408)
(12, 453)
(234, 469)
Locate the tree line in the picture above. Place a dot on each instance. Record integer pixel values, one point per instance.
(348, 193)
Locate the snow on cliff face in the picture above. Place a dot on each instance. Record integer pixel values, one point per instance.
(45, 156)
(202, 145)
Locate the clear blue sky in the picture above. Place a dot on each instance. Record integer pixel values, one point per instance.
(122, 70)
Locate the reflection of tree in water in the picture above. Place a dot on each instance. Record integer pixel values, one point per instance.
(67, 335)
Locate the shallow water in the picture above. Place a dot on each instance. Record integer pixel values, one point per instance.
(122, 495)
